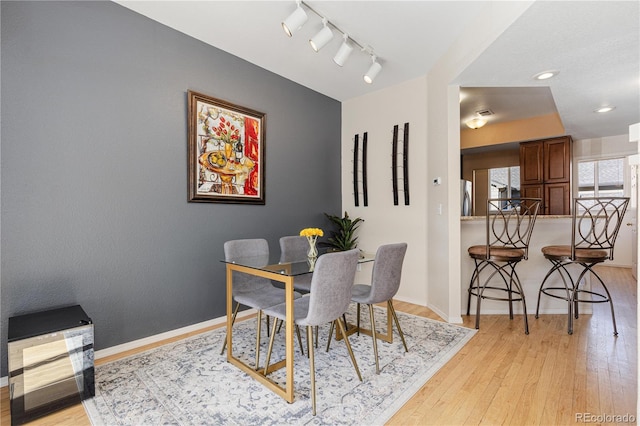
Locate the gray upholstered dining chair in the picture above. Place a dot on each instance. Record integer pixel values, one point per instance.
(385, 281)
(328, 300)
(595, 226)
(249, 290)
(294, 248)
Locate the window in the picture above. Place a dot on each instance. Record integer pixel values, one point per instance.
(601, 178)
(504, 182)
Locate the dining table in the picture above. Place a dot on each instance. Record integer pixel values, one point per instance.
(270, 267)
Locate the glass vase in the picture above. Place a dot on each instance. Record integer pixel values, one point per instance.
(313, 251)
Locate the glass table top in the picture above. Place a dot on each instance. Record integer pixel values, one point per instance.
(272, 263)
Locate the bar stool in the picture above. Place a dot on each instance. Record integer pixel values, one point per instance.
(509, 224)
(595, 226)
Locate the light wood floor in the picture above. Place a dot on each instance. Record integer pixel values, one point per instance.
(506, 377)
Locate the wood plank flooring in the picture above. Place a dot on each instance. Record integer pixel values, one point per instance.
(506, 377)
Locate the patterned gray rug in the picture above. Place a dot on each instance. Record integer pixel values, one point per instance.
(190, 383)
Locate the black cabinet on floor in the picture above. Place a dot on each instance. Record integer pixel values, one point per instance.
(50, 361)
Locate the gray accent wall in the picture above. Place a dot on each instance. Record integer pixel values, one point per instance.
(93, 156)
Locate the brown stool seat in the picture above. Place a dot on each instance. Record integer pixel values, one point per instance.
(499, 254)
(582, 255)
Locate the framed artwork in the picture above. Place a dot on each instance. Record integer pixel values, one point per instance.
(226, 151)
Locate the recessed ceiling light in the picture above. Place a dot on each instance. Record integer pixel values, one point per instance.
(545, 75)
(606, 108)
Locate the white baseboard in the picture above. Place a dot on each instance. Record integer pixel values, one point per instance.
(135, 344)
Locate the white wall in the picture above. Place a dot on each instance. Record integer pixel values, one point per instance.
(376, 114)
(431, 274)
(608, 147)
(443, 154)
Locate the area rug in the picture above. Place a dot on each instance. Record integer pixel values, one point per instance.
(190, 383)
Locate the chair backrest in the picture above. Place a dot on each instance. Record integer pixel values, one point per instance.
(387, 271)
(255, 247)
(596, 222)
(331, 286)
(510, 222)
(293, 248)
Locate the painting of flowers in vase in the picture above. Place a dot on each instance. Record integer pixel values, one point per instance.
(226, 151)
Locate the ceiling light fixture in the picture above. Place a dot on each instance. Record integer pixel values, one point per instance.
(323, 37)
(343, 53)
(545, 75)
(295, 21)
(373, 71)
(475, 123)
(606, 108)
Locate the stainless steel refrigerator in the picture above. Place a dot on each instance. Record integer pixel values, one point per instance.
(466, 205)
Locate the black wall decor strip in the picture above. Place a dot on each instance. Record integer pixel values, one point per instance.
(355, 172)
(365, 195)
(394, 165)
(405, 163)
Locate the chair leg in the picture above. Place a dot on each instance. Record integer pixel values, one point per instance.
(233, 319)
(556, 267)
(330, 335)
(312, 368)
(559, 266)
(270, 348)
(373, 336)
(317, 336)
(473, 276)
(613, 315)
(516, 280)
(358, 319)
(346, 341)
(395, 318)
(258, 339)
(299, 340)
(479, 297)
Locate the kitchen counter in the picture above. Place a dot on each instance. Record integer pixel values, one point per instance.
(539, 217)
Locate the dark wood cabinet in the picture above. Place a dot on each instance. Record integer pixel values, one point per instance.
(531, 162)
(557, 160)
(557, 198)
(532, 191)
(545, 172)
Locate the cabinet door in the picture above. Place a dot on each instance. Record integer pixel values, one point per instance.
(531, 161)
(557, 160)
(557, 198)
(531, 191)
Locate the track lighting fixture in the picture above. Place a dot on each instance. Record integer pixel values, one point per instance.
(295, 21)
(322, 38)
(343, 53)
(299, 16)
(373, 71)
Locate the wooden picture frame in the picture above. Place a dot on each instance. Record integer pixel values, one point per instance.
(226, 151)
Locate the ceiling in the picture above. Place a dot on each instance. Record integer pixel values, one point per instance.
(595, 46)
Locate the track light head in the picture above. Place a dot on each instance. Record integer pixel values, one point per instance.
(295, 21)
(343, 53)
(322, 38)
(373, 71)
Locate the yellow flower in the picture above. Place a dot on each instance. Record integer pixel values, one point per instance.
(311, 232)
